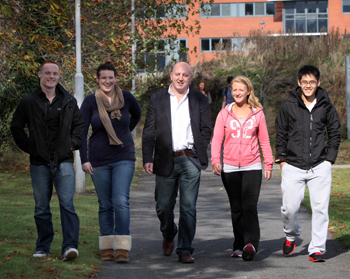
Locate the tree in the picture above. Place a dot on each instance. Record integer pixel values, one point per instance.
(34, 30)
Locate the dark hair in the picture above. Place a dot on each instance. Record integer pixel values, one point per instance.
(229, 79)
(205, 86)
(309, 70)
(106, 66)
(47, 62)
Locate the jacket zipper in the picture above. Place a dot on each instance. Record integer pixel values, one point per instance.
(311, 122)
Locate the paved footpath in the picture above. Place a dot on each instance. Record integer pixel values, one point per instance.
(213, 240)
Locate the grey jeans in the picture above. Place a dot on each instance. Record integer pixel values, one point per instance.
(319, 181)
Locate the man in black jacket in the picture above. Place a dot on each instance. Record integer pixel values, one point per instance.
(55, 125)
(178, 129)
(303, 123)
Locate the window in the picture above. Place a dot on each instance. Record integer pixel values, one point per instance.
(231, 44)
(162, 11)
(346, 6)
(154, 56)
(305, 16)
(237, 9)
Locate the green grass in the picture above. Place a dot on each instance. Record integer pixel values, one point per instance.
(18, 231)
(339, 214)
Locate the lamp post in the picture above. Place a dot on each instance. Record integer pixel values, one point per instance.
(79, 95)
(261, 25)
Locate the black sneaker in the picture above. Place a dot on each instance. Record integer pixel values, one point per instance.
(288, 247)
(316, 257)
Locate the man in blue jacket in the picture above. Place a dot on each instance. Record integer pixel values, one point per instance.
(303, 124)
(55, 125)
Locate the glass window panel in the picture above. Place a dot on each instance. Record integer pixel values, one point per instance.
(323, 6)
(290, 26)
(270, 8)
(289, 16)
(322, 16)
(236, 43)
(181, 11)
(300, 7)
(322, 25)
(227, 45)
(225, 10)
(160, 12)
(161, 45)
(215, 9)
(248, 9)
(183, 43)
(311, 7)
(300, 26)
(214, 43)
(289, 7)
(205, 44)
(312, 26)
(241, 9)
(205, 12)
(259, 8)
(234, 10)
(346, 6)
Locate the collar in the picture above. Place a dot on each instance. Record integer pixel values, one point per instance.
(169, 91)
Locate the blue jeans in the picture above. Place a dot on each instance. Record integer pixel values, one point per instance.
(112, 183)
(43, 178)
(184, 177)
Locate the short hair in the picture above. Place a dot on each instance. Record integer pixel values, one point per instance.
(47, 62)
(229, 79)
(106, 66)
(308, 70)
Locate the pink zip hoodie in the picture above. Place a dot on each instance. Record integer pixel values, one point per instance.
(241, 146)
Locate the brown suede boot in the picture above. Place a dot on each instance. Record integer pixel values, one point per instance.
(122, 256)
(107, 255)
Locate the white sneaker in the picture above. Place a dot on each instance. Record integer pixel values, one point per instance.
(237, 254)
(70, 254)
(40, 254)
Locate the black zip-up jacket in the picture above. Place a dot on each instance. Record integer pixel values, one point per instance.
(31, 112)
(301, 135)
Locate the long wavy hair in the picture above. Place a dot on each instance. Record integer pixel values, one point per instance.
(205, 87)
(251, 99)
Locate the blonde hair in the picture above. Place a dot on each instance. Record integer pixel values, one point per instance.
(252, 100)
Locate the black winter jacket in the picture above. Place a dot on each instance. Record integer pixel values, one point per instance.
(31, 112)
(301, 135)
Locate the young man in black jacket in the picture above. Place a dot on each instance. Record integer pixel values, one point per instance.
(303, 123)
(55, 125)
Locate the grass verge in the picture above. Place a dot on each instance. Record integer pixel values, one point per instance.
(18, 231)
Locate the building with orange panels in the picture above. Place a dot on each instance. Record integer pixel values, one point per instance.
(228, 23)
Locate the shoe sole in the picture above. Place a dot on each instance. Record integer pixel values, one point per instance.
(122, 260)
(316, 261)
(71, 256)
(181, 261)
(248, 253)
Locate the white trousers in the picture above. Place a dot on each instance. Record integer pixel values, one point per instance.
(319, 181)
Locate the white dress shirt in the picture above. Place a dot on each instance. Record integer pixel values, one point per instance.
(180, 122)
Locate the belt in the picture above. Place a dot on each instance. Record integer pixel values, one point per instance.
(186, 152)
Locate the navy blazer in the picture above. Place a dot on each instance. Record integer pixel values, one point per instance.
(157, 130)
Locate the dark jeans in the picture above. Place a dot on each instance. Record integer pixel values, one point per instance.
(184, 177)
(243, 189)
(43, 178)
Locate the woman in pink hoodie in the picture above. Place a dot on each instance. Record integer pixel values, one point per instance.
(242, 126)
